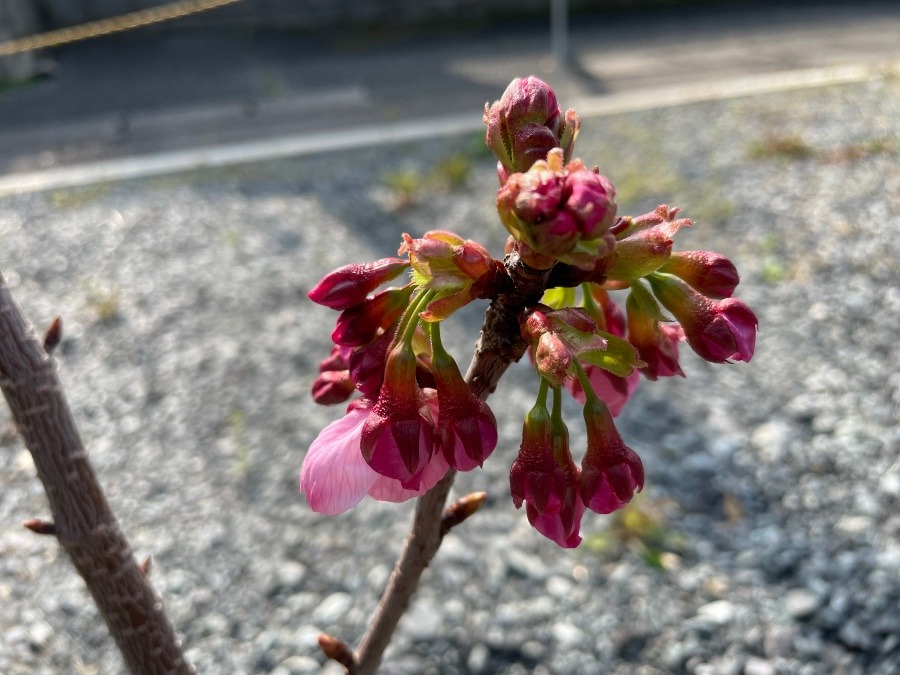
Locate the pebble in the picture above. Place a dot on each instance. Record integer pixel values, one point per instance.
(720, 612)
(478, 659)
(800, 603)
(756, 666)
(567, 635)
(214, 349)
(332, 608)
(525, 565)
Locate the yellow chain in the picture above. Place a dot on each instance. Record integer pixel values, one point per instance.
(115, 24)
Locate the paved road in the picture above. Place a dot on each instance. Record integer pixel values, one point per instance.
(151, 91)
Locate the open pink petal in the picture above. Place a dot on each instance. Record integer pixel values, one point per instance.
(335, 477)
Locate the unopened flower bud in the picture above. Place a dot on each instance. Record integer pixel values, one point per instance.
(544, 477)
(712, 274)
(453, 267)
(397, 439)
(718, 330)
(332, 387)
(611, 472)
(360, 324)
(467, 430)
(525, 124)
(560, 212)
(350, 285)
(656, 343)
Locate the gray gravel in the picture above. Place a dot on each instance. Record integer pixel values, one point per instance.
(767, 538)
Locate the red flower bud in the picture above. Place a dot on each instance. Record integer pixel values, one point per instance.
(718, 330)
(562, 213)
(350, 285)
(332, 387)
(545, 478)
(712, 274)
(398, 436)
(525, 124)
(466, 426)
(656, 343)
(611, 472)
(360, 324)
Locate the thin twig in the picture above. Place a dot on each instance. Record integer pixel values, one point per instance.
(82, 521)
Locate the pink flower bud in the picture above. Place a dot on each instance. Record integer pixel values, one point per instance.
(359, 325)
(335, 360)
(455, 268)
(562, 213)
(552, 358)
(545, 478)
(525, 124)
(656, 343)
(712, 274)
(718, 330)
(366, 363)
(349, 285)
(466, 426)
(611, 472)
(398, 436)
(332, 387)
(557, 336)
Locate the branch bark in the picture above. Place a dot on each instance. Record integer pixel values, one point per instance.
(83, 522)
(499, 346)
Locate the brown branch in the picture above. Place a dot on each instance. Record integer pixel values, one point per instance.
(500, 345)
(83, 522)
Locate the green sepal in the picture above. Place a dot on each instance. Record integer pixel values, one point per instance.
(559, 297)
(647, 303)
(620, 357)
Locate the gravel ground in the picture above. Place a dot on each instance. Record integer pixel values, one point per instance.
(765, 542)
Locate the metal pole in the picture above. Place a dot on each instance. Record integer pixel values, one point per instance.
(559, 33)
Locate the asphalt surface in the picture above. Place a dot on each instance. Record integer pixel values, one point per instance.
(155, 90)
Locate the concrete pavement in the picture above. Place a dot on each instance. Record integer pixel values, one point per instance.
(150, 92)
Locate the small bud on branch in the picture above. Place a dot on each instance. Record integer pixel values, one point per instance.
(461, 509)
(39, 526)
(53, 336)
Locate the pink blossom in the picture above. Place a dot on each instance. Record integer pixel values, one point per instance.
(335, 477)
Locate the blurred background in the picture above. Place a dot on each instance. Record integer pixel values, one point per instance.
(173, 192)
(264, 69)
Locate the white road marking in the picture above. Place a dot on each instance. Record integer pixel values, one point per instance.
(141, 166)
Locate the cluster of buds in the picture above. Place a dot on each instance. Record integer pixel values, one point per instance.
(415, 417)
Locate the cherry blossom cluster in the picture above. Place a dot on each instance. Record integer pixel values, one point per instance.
(415, 417)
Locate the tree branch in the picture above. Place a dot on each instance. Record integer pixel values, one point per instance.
(83, 522)
(500, 345)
